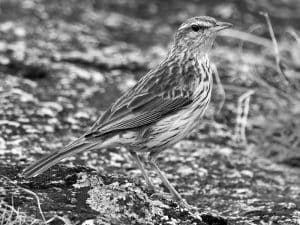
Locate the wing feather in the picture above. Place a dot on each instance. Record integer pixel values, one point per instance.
(144, 104)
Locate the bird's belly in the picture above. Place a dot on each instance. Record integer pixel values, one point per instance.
(172, 128)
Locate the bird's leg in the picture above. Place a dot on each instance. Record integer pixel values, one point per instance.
(176, 195)
(142, 168)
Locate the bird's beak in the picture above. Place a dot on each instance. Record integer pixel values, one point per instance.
(222, 26)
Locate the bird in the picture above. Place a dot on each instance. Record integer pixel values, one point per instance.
(161, 109)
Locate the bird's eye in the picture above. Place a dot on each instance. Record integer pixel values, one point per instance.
(195, 27)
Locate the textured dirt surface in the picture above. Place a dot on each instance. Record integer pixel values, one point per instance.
(63, 62)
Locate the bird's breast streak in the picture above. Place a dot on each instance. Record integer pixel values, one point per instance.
(202, 93)
(175, 127)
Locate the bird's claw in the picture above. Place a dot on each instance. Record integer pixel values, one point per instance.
(194, 211)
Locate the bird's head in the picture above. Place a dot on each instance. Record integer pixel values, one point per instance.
(197, 34)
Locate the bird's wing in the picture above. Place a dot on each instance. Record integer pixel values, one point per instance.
(146, 103)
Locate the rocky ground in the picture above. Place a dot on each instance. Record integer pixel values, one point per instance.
(63, 62)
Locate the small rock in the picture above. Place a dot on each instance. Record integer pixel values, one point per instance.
(89, 222)
(20, 31)
(2, 143)
(234, 174)
(9, 123)
(202, 172)
(81, 115)
(247, 173)
(288, 205)
(185, 170)
(48, 128)
(46, 112)
(225, 151)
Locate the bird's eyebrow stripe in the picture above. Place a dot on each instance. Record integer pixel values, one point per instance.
(199, 23)
(204, 24)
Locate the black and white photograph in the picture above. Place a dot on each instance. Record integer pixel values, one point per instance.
(149, 112)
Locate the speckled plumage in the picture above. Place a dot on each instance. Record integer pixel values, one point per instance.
(162, 108)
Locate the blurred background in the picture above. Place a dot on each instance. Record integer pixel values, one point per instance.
(63, 62)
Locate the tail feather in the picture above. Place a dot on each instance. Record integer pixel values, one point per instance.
(48, 161)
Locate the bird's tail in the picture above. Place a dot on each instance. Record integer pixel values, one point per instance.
(45, 163)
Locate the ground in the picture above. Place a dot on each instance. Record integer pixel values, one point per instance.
(63, 62)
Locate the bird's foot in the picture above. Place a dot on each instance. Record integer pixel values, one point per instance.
(194, 211)
(183, 203)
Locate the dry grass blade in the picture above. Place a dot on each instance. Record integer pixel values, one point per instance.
(276, 50)
(293, 33)
(247, 37)
(12, 216)
(275, 92)
(220, 88)
(38, 202)
(242, 117)
(64, 219)
(31, 193)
